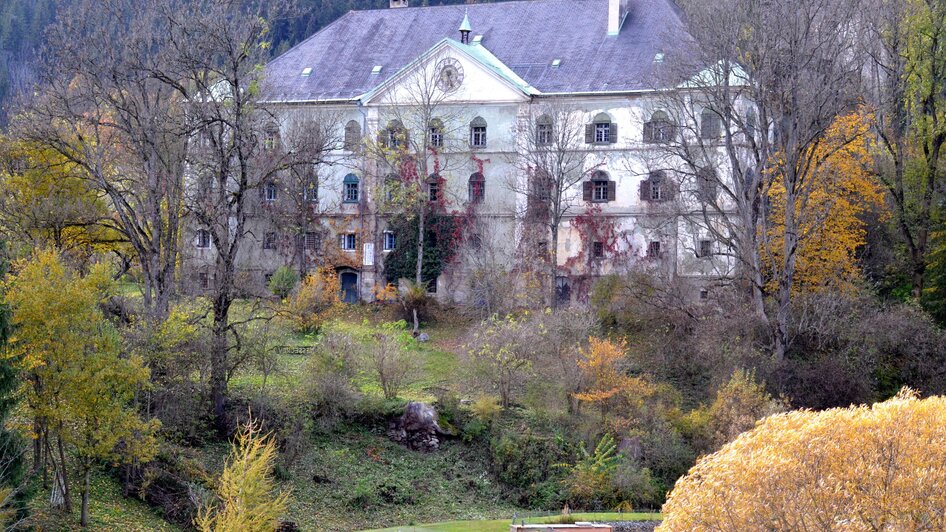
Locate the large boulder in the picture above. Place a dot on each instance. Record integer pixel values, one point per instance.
(417, 428)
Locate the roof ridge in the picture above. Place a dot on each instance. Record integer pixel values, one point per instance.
(459, 6)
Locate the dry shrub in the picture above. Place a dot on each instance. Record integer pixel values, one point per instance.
(314, 301)
(874, 467)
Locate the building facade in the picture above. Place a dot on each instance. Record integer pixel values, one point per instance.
(472, 92)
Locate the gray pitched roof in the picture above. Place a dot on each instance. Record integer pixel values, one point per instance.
(525, 35)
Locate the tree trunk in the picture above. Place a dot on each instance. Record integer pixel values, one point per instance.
(84, 518)
(553, 266)
(218, 369)
(421, 225)
(63, 477)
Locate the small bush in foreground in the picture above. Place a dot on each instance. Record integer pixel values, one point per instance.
(877, 467)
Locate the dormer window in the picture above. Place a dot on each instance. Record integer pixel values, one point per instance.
(659, 129)
(600, 188)
(601, 130)
(478, 133)
(350, 189)
(477, 187)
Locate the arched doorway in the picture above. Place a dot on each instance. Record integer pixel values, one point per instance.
(349, 282)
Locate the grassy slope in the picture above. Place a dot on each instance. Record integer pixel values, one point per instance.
(108, 510)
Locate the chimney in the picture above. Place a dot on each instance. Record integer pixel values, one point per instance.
(617, 10)
(398, 3)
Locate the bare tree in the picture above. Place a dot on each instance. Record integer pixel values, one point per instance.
(109, 103)
(752, 108)
(218, 47)
(551, 164)
(393, 366)
(422, 138)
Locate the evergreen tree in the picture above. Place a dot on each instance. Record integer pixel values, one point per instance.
(12, 468)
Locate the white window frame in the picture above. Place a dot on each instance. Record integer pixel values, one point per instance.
(390, 241)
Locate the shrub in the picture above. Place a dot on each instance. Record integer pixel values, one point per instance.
(874, 467)
(283, 281)
(331, 392)
(389, 362)
(314, 301)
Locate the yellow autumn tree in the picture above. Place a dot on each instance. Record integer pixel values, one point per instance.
(830, 211)
(78, 390)
(608, 382)
(248, 498)
(877, 467)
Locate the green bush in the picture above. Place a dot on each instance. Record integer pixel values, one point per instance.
(526, 462)
(282, 282)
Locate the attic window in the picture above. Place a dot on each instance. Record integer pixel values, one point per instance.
(477, 39)
(658, 58)
(306, 72)
(376, 69)
(556, 63)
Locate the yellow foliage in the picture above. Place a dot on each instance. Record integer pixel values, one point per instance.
(486, 408)
(831, 227)
(877, 467)
(248, 498)
(609, 383)
(314, 301)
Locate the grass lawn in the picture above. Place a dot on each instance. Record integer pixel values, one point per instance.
(502, 525)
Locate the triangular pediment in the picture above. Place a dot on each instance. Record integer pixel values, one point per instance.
(452, 72)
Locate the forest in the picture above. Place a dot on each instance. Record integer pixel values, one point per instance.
(805, 390)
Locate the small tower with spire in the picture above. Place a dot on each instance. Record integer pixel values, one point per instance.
(465, 29)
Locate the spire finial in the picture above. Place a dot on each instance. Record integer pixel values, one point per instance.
(465, 27)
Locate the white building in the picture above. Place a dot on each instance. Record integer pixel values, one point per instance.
(492, 71)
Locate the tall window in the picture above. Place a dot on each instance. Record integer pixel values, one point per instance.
(435, 132)
(271, 138)
(657, 187)
(478, 133)
(347, 241)
(310, 191)
(659, 129)
(477, 187)
(270, 191)
(203, 238)
(601, 130)
(543, 131)
(269, 241)
(313, 241)
(710, 125)
(390, 241)
(597, 250)
(352, 136)
(350, 189)
(434, 183)
(392, 184)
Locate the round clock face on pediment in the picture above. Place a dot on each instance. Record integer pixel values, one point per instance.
(449, 74)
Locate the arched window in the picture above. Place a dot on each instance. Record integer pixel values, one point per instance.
(352, 135)
(435, 133)
(601, 130)
(478, 133)
(394, 136)
(659, 129)
(270, 191)
(350, 189)
(543, 131)
(657, 187)
(477, 187)
(599, 188)
(710, 125)
(434, 187)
